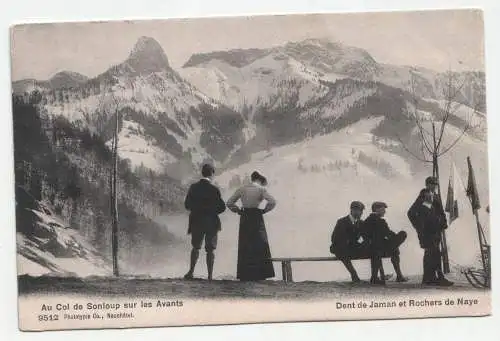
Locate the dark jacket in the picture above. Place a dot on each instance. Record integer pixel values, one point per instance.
(345, 236)
(377, 231)
(428, 225)
(415, 209)
(204, 201)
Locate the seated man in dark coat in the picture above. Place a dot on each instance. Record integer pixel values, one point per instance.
(383, 243)
(347, 239)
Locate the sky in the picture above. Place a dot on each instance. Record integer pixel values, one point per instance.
(434, 39)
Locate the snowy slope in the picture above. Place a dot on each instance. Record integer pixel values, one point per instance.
(33, 260)
(312, 193)
(277, 75)
(256, 83)
(55, 249)
(476, 119)
(162, 96)
(132, 145)
(311, 198)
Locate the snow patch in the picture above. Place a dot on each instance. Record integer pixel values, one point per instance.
(132, 145)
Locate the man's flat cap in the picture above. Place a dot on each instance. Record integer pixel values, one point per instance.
(357, 204)
(207, 169)
(378, 204)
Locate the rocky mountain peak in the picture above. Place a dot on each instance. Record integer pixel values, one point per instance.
(147, 56)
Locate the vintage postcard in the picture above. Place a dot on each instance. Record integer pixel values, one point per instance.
(251, 169)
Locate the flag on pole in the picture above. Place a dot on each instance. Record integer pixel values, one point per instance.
(472, 188)
(451, 200)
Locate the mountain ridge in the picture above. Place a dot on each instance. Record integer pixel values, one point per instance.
(323, 59)
(222, 100)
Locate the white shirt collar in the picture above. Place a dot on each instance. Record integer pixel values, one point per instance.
(208, 179)
(427, 204)
(354, 221)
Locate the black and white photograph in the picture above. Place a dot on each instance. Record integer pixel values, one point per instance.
(251, 169)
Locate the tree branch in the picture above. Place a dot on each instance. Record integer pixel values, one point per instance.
(425, 143)
(410, 152)
(418, 121)
(421, 128)
(453, 91)
(454, 142)
(448, 111)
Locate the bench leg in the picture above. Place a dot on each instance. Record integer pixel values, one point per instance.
(283, 271)
(289, 271)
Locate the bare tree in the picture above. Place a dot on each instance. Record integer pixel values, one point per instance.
(431, 130)
(114, 190)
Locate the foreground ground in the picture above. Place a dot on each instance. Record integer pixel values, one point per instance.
(147, 287)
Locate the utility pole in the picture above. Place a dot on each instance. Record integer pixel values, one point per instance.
(114, 197)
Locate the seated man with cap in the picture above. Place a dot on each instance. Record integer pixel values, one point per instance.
(348, 241)
(383, 243)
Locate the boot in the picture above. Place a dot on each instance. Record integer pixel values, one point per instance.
(376, 267)
(355, 278)
(377, 281)
(192, 264)
(210, 264)
(397, 268)
(443, 282)
(352, 271)
(429, 277)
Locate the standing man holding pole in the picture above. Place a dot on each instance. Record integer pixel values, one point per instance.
(430, 197)
(429, 226)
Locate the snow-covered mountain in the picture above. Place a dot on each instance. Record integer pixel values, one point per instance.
(295, 91)
(242, 78)
(226, 105)
(164, 119)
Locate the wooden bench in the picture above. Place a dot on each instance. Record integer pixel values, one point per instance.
(286, 263)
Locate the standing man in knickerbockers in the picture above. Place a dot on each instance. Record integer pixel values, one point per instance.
(204, 201)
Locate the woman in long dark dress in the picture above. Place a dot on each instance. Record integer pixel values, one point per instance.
(253, 247)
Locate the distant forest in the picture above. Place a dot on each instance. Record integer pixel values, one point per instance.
(68, 168)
